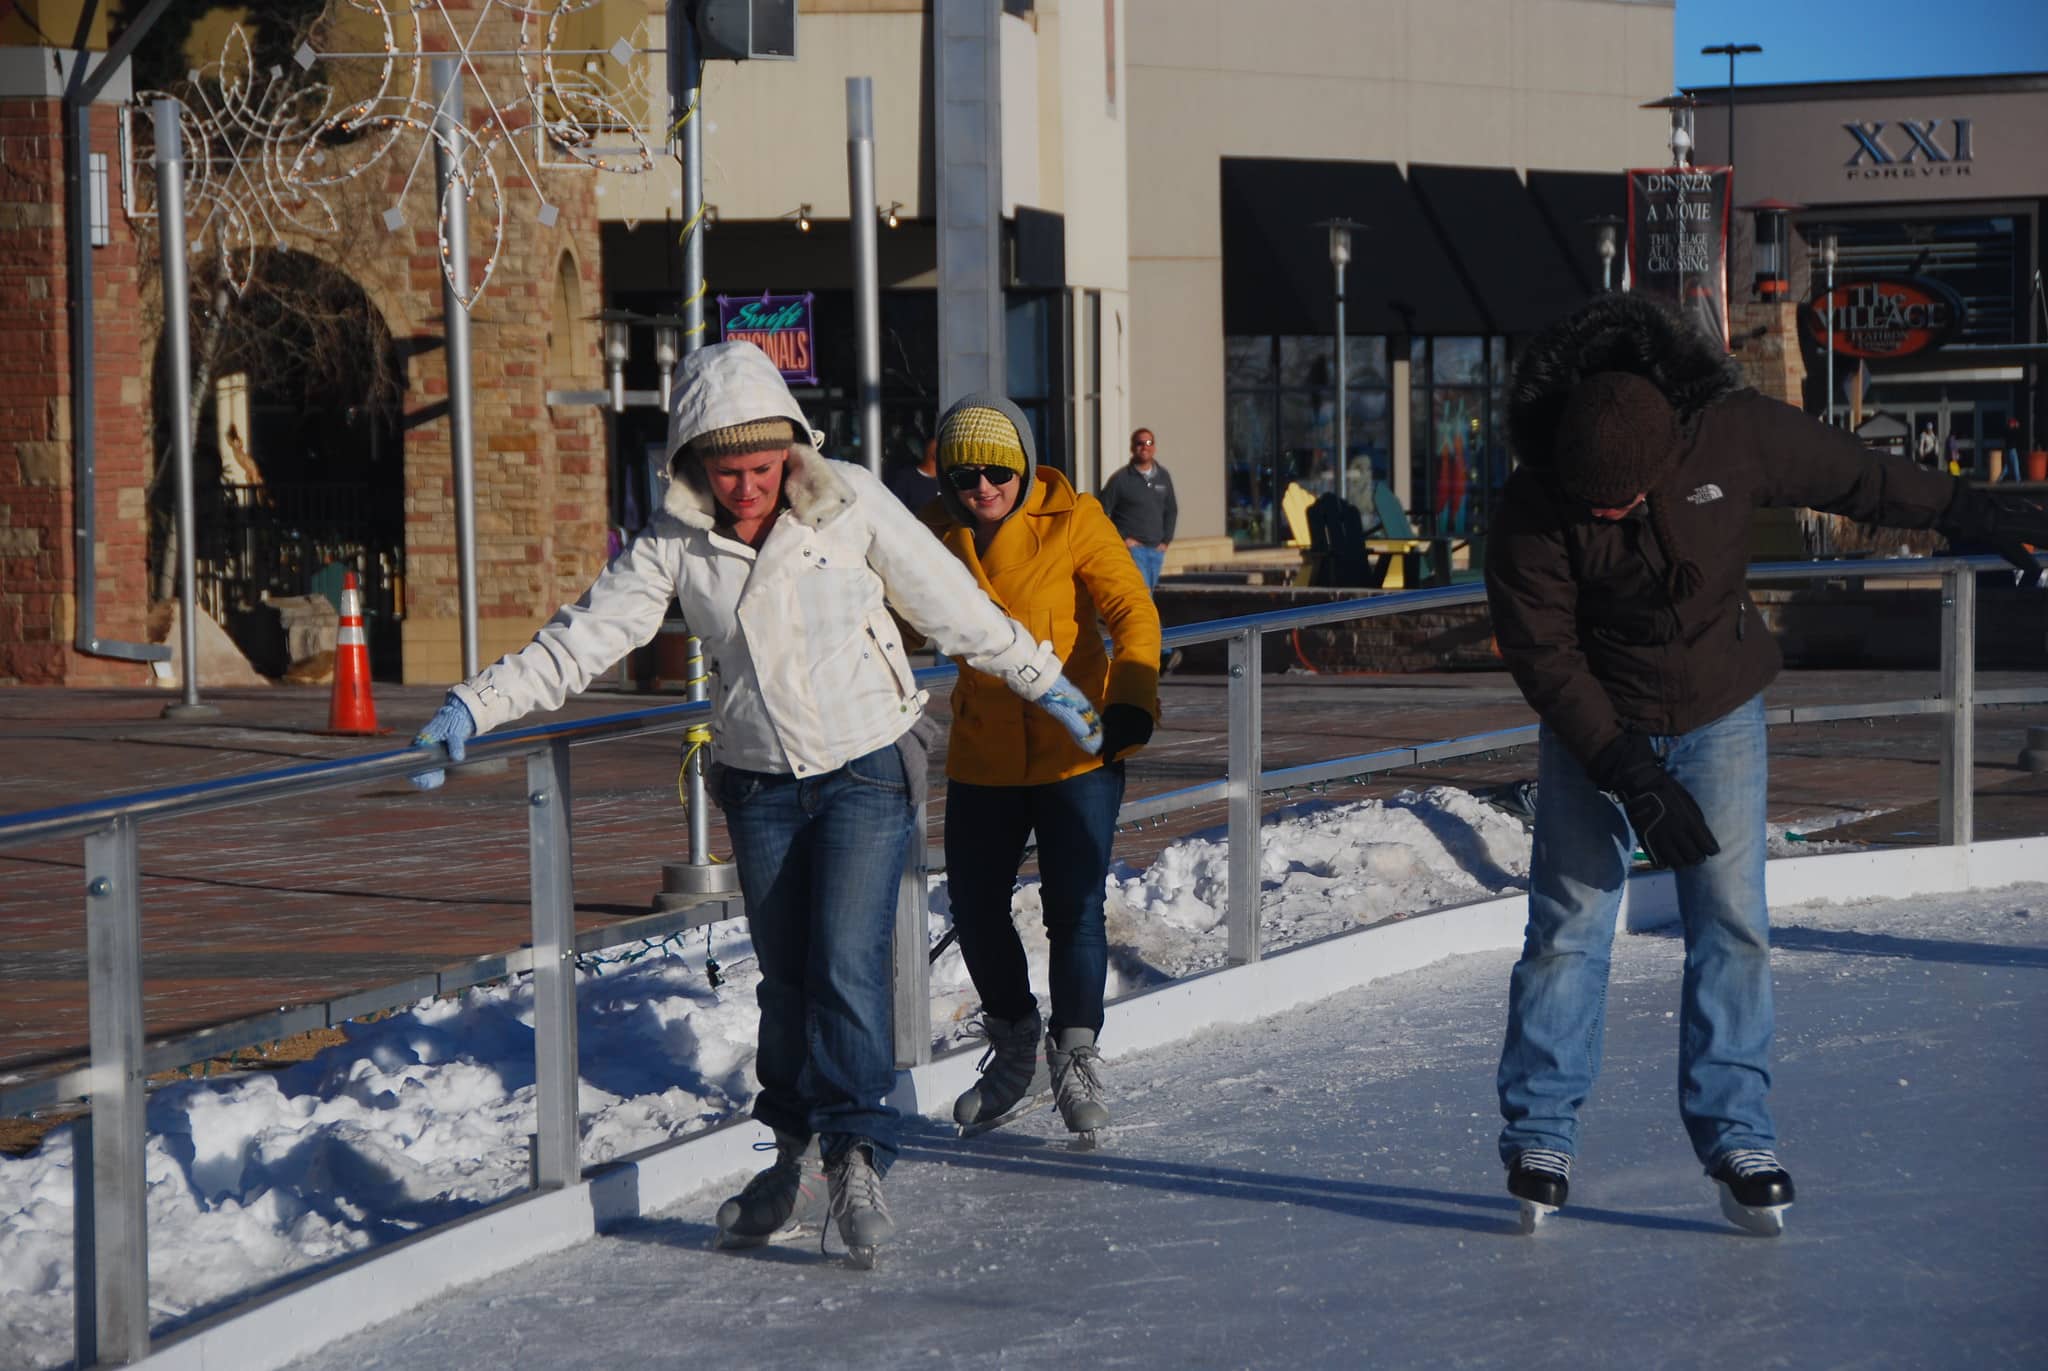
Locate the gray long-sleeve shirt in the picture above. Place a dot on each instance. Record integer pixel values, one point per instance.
(1141, 503)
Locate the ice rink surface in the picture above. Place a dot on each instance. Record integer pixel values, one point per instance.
(1322, 1189)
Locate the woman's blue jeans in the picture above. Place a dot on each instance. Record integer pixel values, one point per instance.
(820, 858)
(1557, 995)
(986, 827)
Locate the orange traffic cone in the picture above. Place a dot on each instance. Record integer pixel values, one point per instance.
(352, 711)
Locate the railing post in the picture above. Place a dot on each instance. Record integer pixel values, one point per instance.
(913, 954)
(1957, 824)
(119, 1243)
(556, 1160)
(1246, 751)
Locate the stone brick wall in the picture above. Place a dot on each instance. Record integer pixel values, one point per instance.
(1767, 348)
(541, 477)
(38, 560)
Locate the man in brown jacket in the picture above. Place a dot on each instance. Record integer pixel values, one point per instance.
(1617, 579)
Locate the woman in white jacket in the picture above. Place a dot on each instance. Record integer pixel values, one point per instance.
(785, 565)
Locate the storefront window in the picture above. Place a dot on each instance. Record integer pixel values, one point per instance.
(1458, 451)
(1281, 423)
(1030, 365)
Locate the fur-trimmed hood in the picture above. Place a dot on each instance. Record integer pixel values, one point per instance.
(736, 383)
(1617, 332)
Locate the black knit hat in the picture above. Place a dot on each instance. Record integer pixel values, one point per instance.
(1617, 439)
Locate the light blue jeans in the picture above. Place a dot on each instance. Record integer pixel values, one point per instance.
(819, 861)
(1557, 995)
(1151, 564)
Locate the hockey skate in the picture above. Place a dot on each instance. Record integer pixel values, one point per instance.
(857, 1205)
(1013, 1074)
(778, 1202)
(1076, 1068)
(1540, 1179)
(1755, 1190)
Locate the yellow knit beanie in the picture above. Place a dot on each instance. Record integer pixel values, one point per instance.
(971, 435)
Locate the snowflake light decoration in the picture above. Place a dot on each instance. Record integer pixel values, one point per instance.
(568, 113)
(242, 136)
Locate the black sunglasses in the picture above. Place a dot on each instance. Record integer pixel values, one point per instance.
(967, 478)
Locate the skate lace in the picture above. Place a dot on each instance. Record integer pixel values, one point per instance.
(787, 1167)
(1078, 1081)
(1546, 1161)
(1750, 1161)
(855, 1186)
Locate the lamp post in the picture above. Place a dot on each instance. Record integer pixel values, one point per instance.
(1340, 258)
(1607, 242)
(1830, 247)
(666, 353)
(1733, 50)
(618, 347)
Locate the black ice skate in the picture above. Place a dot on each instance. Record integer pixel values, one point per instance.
(1013, 1078)
(1540, 1178)
(780, 1201)
(1755, 1190)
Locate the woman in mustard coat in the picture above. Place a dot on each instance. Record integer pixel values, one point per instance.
(1052, 560)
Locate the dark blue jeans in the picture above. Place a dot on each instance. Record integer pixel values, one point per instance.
(986, 827)
(819, 860)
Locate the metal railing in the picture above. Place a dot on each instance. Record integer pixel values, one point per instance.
(111, 1238)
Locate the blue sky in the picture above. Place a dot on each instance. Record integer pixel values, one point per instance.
(1850, 40)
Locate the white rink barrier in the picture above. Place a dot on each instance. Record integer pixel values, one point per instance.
(337, 1301)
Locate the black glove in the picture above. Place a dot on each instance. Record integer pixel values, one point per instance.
(1124, 726)
(2005, 524)
(1666, 818)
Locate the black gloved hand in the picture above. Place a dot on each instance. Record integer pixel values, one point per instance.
(1666, 818)
(2005, 524)
(1124, 726)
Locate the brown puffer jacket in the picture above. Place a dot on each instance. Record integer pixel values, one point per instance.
(1581, 606)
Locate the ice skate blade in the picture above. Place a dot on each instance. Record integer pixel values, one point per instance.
(861, 1258)
(1533, 1215)
(1016, 1112)
(1086, 1140)
(726, 1241)
(1766, 1221)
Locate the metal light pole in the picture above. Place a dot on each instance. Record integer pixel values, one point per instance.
(861, 213)
(1829, 248)
(700, 874)
(1340, 258)
(170, 203)
(1734, 50)
(454, 285)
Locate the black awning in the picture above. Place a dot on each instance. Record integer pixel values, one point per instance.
(1568, 199)
(1501, 243)
(1276, 263)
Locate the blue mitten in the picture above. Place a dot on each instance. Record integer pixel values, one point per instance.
(1066, 703)
(452, 725)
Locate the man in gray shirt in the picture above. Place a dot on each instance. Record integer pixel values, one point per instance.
(1138, 498)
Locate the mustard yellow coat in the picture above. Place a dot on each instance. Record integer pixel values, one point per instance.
(1059, 567)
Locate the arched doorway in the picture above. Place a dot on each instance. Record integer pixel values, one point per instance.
(297, 456)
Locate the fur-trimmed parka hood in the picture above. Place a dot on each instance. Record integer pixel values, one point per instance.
(736, 383)
(1617, 332)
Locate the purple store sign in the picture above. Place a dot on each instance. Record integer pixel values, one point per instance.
(779, 325)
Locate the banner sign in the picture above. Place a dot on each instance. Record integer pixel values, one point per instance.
(1882, 317)
(1678, 242)
(780, 325)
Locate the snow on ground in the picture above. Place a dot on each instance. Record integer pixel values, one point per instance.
(423, 1115)
(1321, 1189)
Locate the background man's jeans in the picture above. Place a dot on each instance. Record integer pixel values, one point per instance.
(1151, 563)
(819, 861)
(1557, 996)
(986, 826)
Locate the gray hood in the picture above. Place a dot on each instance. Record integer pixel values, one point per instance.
(736, 383)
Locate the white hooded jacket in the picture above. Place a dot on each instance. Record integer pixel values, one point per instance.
(807, 668)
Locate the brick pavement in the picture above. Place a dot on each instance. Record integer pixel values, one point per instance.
(250, 909)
